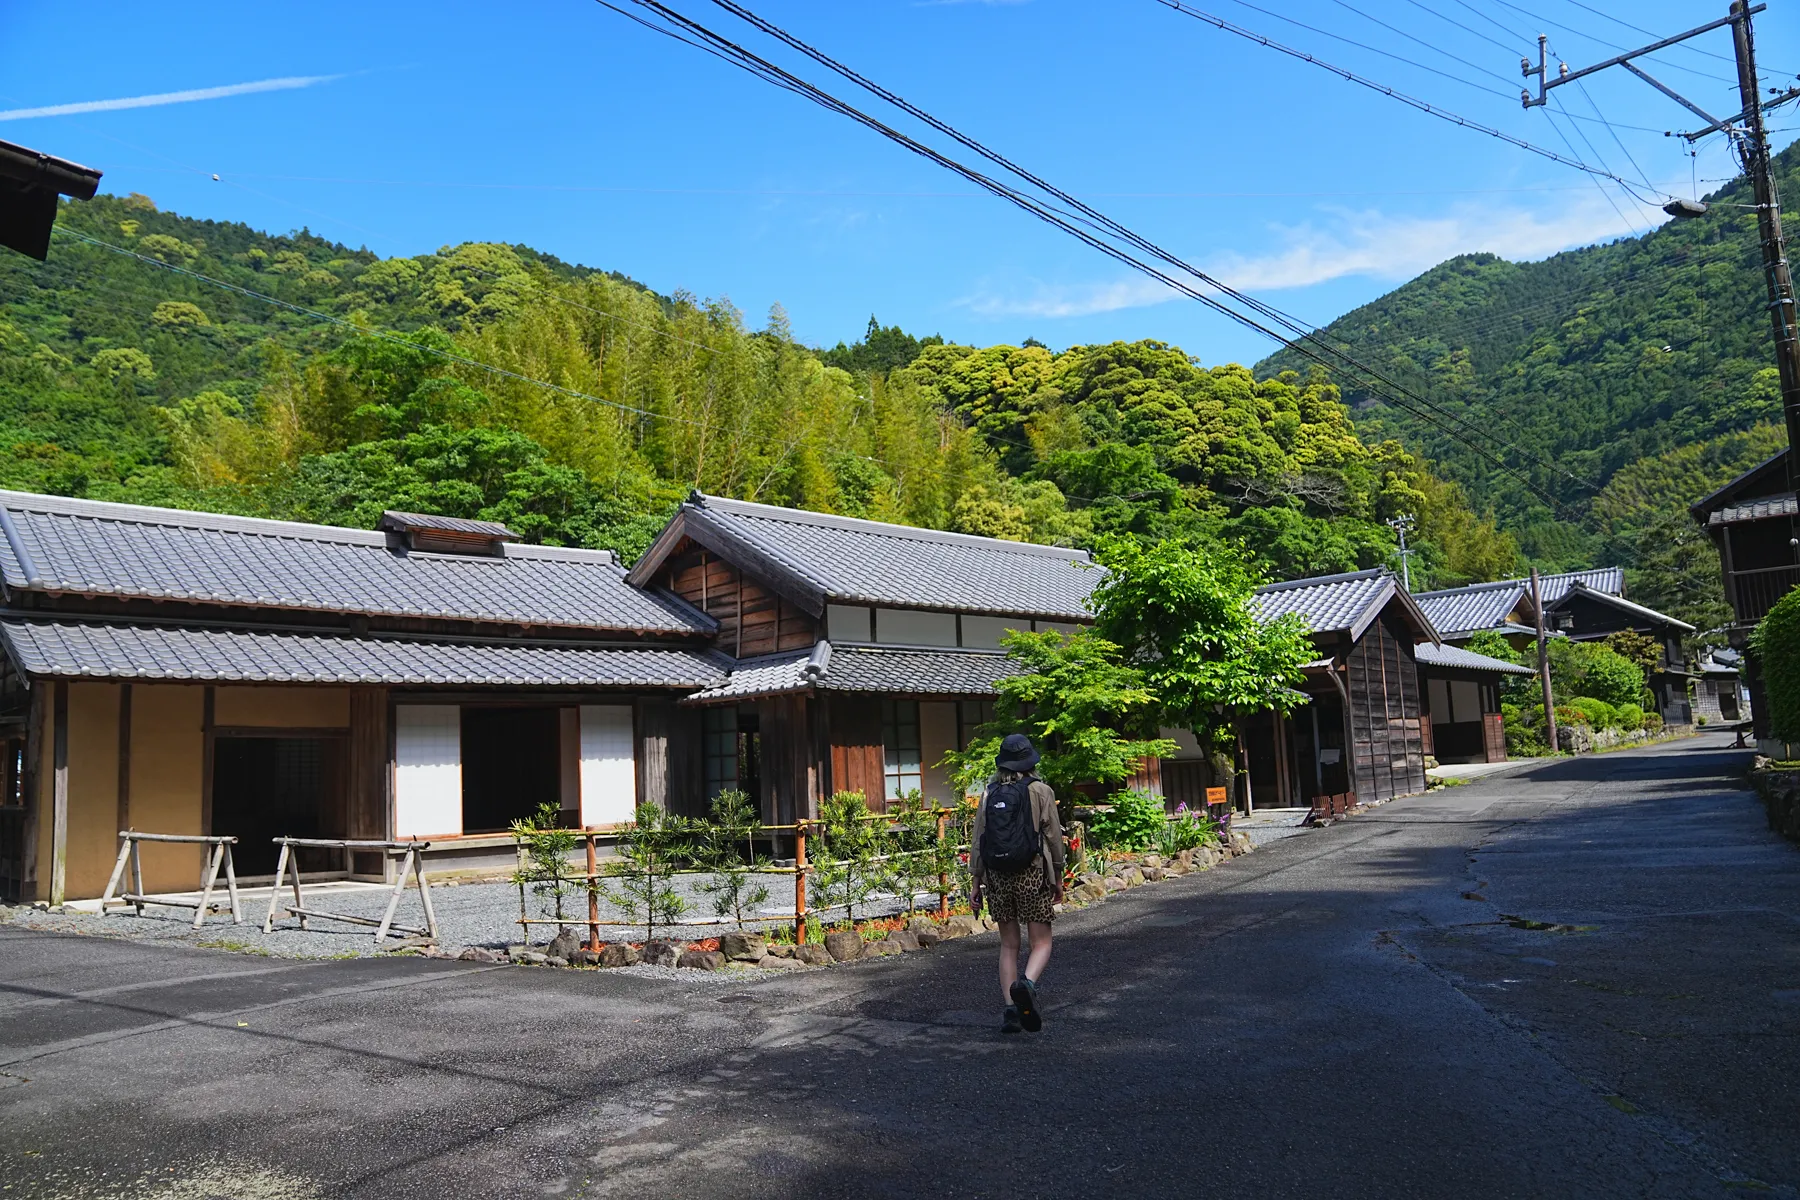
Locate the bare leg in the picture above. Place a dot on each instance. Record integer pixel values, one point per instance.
(1009, 957)
(1040, 951)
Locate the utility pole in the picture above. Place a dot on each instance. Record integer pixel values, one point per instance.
(1749, 136)
(1402, 525)
(1537, 606)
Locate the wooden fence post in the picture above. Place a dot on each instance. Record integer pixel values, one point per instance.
(800, 883)
(943, 824)
(593, 869)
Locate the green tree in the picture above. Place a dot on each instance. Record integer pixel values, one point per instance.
(1183, 614)
(728, 851)
(1091, 716)
(545, 866)
(639, 881)
(1776, 644)
(850, 841)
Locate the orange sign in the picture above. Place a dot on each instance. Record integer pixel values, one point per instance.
(1216, 796)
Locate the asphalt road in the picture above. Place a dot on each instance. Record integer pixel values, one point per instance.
(1583, 980)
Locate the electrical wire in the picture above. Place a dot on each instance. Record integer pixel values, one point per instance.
(1490, 40)
(1610, 45)
(1344, 4)
(1094, 221)
(1443, 114)
(1095, 218)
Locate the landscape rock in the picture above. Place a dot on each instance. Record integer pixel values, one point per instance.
(585, 958)
(921, 924)
(813, 955)
(531, 958)
(1090, 892)
(1177, 868)
(775, 963)
(1153, 874)
(1575, 739)
(906, 939)
(555, 960)
(781, 950)
(844, 945)
(660, 954)
(701, 960)
(515, 951)
(618, 954)
(479, 954)
(1150, 861)
(1134, 877)
(743, 947)
(930, 937)
(1115, 883)
(961, 926)
(1185, 858)
(881, 949)
(564, 944)
(1240, 842)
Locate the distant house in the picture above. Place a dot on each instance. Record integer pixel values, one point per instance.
(1720, 696)
(1462, 702)
(1582, 605)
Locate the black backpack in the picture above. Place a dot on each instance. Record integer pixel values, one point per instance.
(1009, 835)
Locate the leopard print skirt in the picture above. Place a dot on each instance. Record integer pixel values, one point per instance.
(1018, 895)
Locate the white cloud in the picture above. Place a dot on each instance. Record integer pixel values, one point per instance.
(1358, 243)
(213, 93)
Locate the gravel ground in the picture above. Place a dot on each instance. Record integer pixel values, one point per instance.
(469, 914)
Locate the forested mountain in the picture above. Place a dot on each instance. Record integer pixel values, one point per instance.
(578, 407)
(1608, 364)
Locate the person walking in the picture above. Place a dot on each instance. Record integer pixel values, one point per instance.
(1016, 864)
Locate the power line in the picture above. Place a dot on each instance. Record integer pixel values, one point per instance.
(1610, 45)
(1421, 41)
(1095, 222)
(1443, 114)
(1492, 41)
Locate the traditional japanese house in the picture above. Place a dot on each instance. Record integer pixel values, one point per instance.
(1720, 696)
(863, 652)
(1755, 522)
(1462, 703)
(1362, 730)
(190, 673)
(1588, 614)
(1504, 607)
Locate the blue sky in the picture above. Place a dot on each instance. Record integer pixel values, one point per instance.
(561, 125)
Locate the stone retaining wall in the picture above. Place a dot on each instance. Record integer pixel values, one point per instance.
(1780, 791)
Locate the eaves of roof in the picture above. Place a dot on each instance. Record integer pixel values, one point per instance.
(1620, 603)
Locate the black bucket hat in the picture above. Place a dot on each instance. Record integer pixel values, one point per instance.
(1017, 754)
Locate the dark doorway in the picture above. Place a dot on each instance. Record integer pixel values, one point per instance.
(270, 787)
(511, 763)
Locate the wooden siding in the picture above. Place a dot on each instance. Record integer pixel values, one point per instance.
(1388, 749)
(790, 762)
(1493, 730)
(369, 807)
(857, 759)
(670, 769)
(752, 618)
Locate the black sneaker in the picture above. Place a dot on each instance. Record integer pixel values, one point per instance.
(1009, 1020)
(1024, 996)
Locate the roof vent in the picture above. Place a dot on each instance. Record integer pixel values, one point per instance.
(445, 535)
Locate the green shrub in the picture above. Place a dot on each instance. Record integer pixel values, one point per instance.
(1631, 716)
(1186, 830)
(1567, 715)
(1134, 822)
(1524, 741)
(1599, 713)
(1776, 645)
(1592, 669)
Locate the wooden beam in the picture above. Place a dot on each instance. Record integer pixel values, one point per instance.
(207, 705)
(59, 810)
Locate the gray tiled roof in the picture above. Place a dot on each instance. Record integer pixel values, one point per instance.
(1650, 615)
(1482, 606)
(1332, 603)
(1755, 510)
(105, 650)
(87, 547)
(819, 559)
(1465, 660)
(396, 519)
(867, 669)
(1487, 605)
